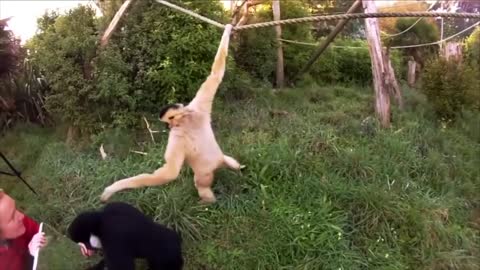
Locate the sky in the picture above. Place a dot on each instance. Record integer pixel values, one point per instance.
(25, 13)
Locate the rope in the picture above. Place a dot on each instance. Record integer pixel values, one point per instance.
(316, 44)
(404, 31)
(191, 13)
(359, 16)
(437, 42)
(415, 23)
(325, 17)
(395, 47)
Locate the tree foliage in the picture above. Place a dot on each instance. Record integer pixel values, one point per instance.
(422, 32)
(472, 48)
(63, 51)
(389, 25)
(21, 87)
(9, 50)
(158, 55)
(450, 86)
(257, 49)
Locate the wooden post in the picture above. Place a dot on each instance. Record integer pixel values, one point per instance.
(278, 31)
(412, 66)
(390, 79)
(321, 48)
(452, 50)
(382, 98)
(113, 24)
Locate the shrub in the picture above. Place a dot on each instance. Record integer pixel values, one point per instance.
(450, 86)
(157, 56)
(348, 61)
(472, 48)
(424, 31)
(257, 48)
(62, 51)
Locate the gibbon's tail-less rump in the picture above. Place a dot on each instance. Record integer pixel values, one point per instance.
(191, 138)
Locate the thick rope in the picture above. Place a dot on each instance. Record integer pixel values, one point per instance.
(437, 42)
(325, 17)
(191, 13)
(394, 47)
(359, 16)
(411, 26)
(404, 31)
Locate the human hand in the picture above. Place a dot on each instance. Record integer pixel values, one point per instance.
(85, 251)
(38, 241)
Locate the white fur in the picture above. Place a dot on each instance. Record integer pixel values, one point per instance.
(95, 241)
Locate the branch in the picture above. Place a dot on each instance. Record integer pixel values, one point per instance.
(149, 129)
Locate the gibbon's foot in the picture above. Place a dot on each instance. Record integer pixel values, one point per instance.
(207, 201)
(206, 196)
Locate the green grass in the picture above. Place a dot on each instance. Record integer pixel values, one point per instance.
(324, 187)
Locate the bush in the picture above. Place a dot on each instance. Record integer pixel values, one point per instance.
(257, 48)
(160, 56)
(62, 51)
(348, 61)
(472, 48)
(157, 56)
(450, 86)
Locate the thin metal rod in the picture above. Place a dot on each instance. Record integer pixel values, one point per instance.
(17, 173)
(7, 173)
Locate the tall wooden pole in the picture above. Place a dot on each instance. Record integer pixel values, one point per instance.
(382, 98)
(330, 37)
(278, 31)
(113, 24)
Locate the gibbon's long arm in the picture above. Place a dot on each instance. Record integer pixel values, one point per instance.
(174, 157)
(204, 98)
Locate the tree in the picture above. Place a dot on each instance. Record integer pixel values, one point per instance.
(158, 56)
(9, 50)
(323, 28)
(20, 85)
(422, 32)
(389, 25)
(257, 49)
(63, 50)
(472, 48)
(455, 25)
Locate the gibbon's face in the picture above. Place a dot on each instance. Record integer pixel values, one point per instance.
(172, 114)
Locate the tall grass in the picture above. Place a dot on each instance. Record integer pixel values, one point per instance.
(324, 187)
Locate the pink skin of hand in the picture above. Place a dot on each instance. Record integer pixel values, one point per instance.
(85, 251)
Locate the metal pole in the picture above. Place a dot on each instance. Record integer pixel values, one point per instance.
(16, 173)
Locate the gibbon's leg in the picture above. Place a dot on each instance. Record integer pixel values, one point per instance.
(203, 183)
(174, 157)
(204, 98)
(231, 163)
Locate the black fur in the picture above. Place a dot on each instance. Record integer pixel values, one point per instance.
(126, 234)
(165, 109)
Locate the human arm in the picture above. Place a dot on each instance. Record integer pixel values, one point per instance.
(35, 238)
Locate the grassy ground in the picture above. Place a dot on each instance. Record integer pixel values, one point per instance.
(324, 188)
